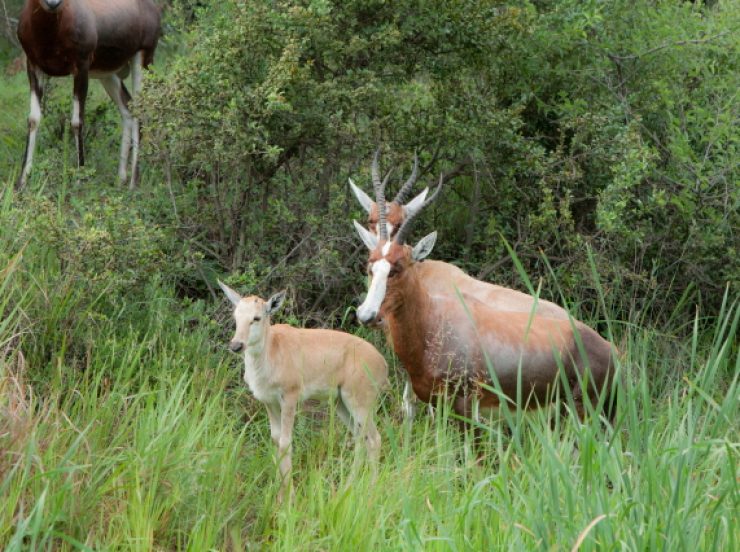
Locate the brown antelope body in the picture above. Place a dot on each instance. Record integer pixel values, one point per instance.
(285, 365)
(447, 344)
(441, 278)
(104, 39)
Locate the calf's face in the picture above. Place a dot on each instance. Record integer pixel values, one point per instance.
(251, 318)
(251, 315)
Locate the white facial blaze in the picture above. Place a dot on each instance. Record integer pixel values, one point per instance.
(375, 295)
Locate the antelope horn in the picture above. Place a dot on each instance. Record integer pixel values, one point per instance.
(409, 184)
(380, 194)
(403, 232)
(375, 171)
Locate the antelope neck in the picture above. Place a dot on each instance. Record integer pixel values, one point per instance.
(407, 316)
(257, 351)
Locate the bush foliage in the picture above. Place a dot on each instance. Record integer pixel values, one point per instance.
(573, 125)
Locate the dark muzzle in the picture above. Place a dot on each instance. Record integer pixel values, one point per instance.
(51, 5)
(236, 346)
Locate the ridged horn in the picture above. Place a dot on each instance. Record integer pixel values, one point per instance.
(380, 194)
(409, 184)
(403, 232)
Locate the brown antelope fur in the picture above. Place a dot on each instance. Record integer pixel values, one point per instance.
(443, 346)
(446, 342)
(104, 39)
(285, 365)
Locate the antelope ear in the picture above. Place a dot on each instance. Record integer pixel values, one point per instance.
(361, 196)
(275, 302)
(368, 238)
(415, 204)
(232, 295)
(424, 247)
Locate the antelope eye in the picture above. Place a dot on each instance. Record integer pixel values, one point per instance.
(257, 318)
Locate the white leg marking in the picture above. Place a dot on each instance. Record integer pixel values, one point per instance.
(76, 122)
(135, 151)
(34, 119)
(113, 87)
(409, 408)
(136, 68)
(76, 113)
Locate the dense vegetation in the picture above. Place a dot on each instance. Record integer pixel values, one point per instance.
(594, 153)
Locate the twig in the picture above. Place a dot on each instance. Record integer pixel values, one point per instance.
(286, 257)
(11, 24)
(615, 57)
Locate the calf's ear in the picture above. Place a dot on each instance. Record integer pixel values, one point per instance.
(275, 302)
(232, 295)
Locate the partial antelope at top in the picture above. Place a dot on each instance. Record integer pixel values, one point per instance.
(461, 347)
(104, 39)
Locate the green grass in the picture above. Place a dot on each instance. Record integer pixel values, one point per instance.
(133, 430)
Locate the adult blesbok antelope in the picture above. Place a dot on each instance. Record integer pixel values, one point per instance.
(105, 39)
(447, 344)
(439, 277)
(284, 365)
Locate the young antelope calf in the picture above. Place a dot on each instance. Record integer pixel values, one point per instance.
(284, 365)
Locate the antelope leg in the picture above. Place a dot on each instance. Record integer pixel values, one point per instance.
(117, 91)
(34, 120)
